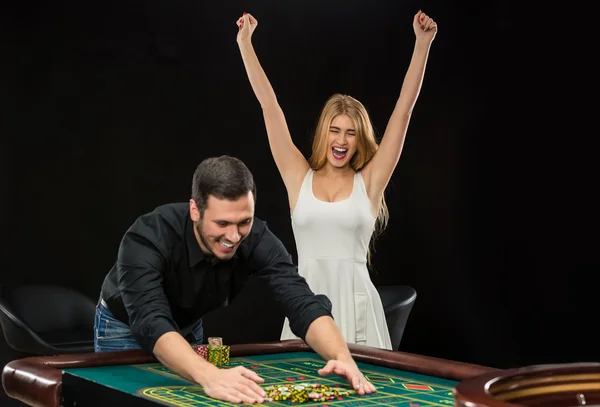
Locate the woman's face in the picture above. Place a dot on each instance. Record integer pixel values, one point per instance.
(341, 141)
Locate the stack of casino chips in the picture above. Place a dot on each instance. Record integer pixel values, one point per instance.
(305, 392)
(218, 354)
(201, 350)
(215, 352)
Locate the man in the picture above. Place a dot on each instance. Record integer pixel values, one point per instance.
(182, 260)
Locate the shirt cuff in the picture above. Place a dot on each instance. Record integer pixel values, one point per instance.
(151, 332)
(321, 306)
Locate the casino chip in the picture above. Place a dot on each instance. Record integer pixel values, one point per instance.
(305, 392)
(215, 352)
(201, 350)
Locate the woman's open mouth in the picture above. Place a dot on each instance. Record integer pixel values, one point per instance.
(339, 153)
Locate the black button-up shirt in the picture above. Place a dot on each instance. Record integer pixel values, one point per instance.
(163, 282)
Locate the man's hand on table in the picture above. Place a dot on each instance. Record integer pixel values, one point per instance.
(350, 372)
(236, 385)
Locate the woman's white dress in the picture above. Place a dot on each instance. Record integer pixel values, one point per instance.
(332, 239)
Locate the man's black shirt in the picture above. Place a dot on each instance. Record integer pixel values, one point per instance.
(163, 282)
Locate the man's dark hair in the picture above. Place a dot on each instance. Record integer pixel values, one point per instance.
(223, 177)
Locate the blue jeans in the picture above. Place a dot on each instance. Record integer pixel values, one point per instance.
(110, 334)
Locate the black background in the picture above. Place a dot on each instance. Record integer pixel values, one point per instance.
(109, 107)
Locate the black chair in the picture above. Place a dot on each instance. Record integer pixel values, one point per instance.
(398, 301)
(47, 319)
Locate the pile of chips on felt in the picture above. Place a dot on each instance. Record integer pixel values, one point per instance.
(305, 392)
(215, 352)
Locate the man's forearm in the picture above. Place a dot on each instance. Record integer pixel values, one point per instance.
(324, 337)
(173, 351)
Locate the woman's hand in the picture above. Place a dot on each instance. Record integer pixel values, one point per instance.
(246, 26)
(424, 26)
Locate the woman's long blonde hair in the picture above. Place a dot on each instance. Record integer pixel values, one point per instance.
(366, 145)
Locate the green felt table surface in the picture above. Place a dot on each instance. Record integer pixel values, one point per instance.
(394, 387)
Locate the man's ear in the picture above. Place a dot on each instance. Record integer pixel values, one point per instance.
(194, 212)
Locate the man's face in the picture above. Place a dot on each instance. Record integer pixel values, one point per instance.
(223, 225)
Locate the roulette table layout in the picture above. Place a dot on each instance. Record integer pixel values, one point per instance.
(134, 379)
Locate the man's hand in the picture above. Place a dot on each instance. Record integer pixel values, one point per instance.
(350, 372)
(236, 385)
(325, 338)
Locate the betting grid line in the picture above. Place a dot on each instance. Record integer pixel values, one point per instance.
(159, 369)
(181, 401)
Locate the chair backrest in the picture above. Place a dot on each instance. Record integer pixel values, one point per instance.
(49, 308)
(397, 301)
(35, 318)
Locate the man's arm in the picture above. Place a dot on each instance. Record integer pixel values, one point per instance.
(173, 351)
(236, 385)
(140, 264)
(324, 337)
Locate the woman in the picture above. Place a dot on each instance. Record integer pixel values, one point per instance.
(336, 198)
